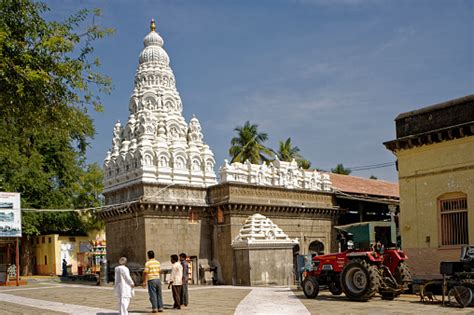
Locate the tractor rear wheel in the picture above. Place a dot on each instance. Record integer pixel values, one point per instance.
(403, 275)
(311, 287)
(360, 280)
(335, 287)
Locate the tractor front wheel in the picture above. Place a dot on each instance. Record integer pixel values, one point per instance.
(310, 287)
(403, 275)
(360, 280)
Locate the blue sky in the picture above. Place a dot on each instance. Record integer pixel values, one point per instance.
(330, 74)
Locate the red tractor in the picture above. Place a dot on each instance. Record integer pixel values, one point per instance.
(361, 273)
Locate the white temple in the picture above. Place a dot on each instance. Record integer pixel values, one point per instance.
(277, 174)
(156, 145)
(259, 230)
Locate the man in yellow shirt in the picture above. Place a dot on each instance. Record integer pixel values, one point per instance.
(152, 279)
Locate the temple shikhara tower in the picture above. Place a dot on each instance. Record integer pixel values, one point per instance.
(161, 192)
(156, 145)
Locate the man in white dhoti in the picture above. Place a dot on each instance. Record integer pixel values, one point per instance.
(123, 287)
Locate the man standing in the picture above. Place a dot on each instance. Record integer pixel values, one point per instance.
(184, 289)
(152, 279)
(176, 280)
(123, 286)
(64, 268)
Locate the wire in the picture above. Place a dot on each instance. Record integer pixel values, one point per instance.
(370, 167)
(80, 209)
(98, 207)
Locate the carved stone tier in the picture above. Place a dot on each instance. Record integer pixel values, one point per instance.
(276, 174)
(237, 193)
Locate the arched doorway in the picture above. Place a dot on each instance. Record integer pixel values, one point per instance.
(316, 247)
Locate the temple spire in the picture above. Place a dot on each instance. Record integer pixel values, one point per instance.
(157, 145)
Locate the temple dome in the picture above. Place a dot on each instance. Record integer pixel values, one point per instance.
(153, 51)
(154, 54)
(153, 39)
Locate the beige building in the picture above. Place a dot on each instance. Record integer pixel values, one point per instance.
(80, 253)
(435, 152)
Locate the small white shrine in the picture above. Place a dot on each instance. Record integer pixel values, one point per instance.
(156, 145)
(263, 253)
(277, 174)
(258, 230)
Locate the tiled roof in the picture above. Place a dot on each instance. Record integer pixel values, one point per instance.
(364, 186)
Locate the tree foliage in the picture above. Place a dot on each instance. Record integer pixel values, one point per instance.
(340, 169)
(288, 152)
(48, 84)
(248, 145)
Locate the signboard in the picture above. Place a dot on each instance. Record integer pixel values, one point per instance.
(10, 215)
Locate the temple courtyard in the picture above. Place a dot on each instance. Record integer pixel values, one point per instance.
(51, 297)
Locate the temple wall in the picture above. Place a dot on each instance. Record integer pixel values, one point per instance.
(306, 230)
(175, 219)
(126, 237)
(224, 255)
(168, 235)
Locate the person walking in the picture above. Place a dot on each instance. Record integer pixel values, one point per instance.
(184, 289)
(176, 280)
(152, 280)
(123, 286)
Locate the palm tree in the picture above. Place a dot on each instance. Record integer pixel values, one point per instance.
(304, 164)
(341, 170)
(288, 152)
(248, 145)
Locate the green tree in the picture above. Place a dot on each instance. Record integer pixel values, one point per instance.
(339, 169)
(88, 194)
(48, 84)
(248, 145)
(288, 152)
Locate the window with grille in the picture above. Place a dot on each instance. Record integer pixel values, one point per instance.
(454, 224)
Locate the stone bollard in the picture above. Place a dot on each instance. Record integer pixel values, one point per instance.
(103, 273)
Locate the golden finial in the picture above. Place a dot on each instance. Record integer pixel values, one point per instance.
(152, 25)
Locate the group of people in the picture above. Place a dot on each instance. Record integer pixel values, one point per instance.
(179, 282)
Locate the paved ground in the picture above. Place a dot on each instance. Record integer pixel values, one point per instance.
(65, 298)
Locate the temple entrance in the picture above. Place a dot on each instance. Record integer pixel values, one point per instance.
(316, 247)
(297, 272)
